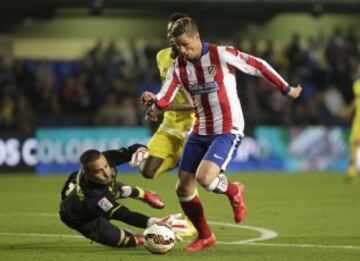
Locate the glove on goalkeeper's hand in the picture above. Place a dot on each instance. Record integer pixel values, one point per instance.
(138, 156)
(174, 221)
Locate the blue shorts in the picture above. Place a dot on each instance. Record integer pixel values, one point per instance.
(220, 149)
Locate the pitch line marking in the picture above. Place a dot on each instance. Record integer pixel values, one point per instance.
(303, 245)
(244, 243)
(38, 235)
(265, 234)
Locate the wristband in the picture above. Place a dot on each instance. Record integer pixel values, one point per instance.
(286, 90)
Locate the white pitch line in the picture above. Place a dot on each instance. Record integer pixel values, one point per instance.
(31, 214)
(38, 235)
(217, 242)
(303, 245)
(265, 234)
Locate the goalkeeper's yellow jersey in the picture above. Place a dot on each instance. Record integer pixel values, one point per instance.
(175, 122)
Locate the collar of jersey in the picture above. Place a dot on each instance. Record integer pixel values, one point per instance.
(204, 48)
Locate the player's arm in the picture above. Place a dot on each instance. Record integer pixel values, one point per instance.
(179, 107)
(124, 154)
(105, 205)
(152, 113)
(149, 197)
(167, 93)
(349, 110)
(255, 66)
(69, 185)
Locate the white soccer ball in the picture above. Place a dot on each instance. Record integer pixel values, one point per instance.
(159, 238)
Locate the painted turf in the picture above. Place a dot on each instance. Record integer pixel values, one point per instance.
(264, 234)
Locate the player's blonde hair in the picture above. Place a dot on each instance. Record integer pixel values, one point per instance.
(184, 25)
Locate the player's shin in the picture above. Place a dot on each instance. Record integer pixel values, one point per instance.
(193, 209)
(222, 185)
(235, 193)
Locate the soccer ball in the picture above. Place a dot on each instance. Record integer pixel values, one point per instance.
(159, 238)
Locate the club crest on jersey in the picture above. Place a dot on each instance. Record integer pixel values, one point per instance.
(211, 69)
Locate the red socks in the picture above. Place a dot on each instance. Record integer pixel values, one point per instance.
(193, 209)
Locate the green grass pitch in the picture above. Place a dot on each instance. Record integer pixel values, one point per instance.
(313, 216)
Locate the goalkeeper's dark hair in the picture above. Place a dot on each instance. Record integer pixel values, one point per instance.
(88, 156)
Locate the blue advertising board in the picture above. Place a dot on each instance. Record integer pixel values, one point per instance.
(294, 149)
(53, 150)
(59, 149)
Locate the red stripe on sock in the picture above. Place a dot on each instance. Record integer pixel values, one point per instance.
(193, 209)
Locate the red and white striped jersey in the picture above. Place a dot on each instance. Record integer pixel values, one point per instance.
(211, 86)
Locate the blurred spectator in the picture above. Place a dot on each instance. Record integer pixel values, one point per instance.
(268, 54)
(116, 112)
(25, 117)
(5, 71)
(295, 54)
(106, 83)
(7, 110)
(335, 104)
(94, 56)
(70, 96)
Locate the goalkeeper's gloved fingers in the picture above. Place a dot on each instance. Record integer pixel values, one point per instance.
(177, 225)
(180, 226)
(178, 238)
(138, 156)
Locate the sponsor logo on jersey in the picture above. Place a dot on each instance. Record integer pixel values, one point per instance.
(105, 204)
(207, 87)
(211, 69)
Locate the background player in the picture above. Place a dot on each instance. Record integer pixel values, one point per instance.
(89, 199)
(355, 129)
(166, 145)
(207, 73)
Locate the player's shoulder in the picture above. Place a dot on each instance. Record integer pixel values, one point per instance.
(225, 50)
(356, 87)
(163, 54)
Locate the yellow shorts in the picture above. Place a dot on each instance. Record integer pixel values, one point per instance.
(165, 145)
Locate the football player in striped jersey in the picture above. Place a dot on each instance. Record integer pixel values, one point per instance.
(207, 74)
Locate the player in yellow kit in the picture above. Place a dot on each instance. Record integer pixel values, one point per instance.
(355, 130)
(166, 145)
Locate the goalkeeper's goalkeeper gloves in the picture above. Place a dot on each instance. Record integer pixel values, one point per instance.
(174, 221)
(138, 156)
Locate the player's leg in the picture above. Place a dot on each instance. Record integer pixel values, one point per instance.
(352, 168)
(209, 174)
(162, 149)
(104, 232)
(150, 166)
(167, 149)
(188, 197)
(354, 143)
